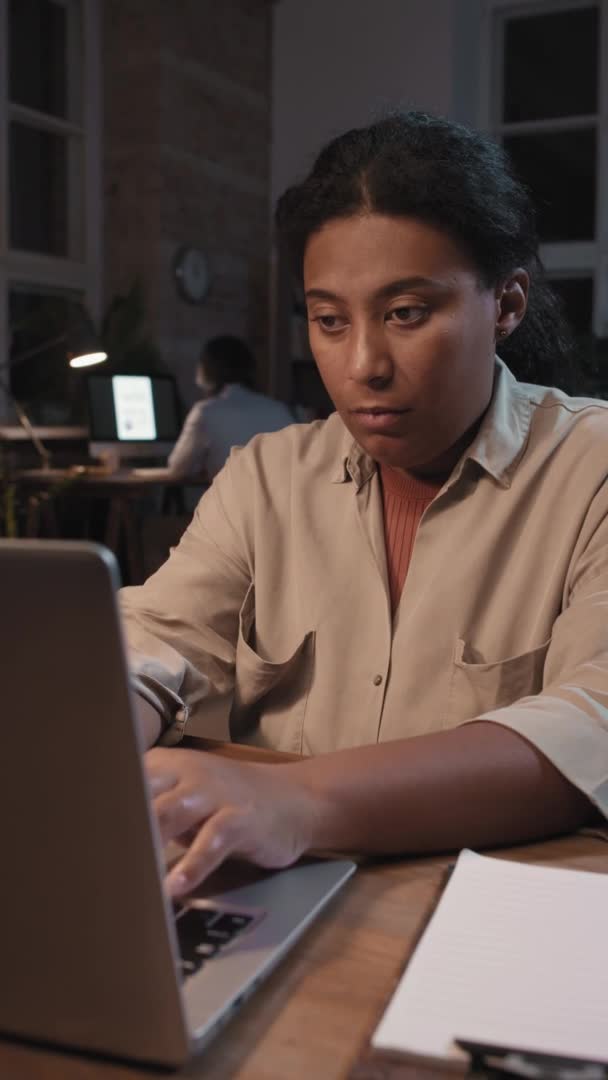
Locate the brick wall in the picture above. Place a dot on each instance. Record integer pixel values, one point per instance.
(186, 147)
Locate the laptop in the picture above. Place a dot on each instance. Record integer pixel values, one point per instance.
(93, 956)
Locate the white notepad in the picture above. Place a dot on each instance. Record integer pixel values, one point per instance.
(514, 955)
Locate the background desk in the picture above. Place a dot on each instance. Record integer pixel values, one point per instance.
(15, 434)
(312, 1018)
(122, 490)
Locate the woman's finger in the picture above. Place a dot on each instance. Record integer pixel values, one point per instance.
(181, 810)
(218, 838)
(187, 838)
(159, 782)
(161, 770)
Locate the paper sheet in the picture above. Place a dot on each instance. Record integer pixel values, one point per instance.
(514, 955)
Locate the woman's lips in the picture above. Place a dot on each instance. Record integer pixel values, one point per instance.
(379, 419)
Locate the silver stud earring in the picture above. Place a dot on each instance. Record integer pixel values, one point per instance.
(501, 332)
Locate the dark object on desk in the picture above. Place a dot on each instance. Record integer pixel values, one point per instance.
(505, 1061)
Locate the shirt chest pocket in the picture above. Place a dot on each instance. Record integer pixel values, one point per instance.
(270, 693)
(476, 688)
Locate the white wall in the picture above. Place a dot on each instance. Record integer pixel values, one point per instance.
(337, 63)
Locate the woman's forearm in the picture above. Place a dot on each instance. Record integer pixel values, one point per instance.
(477, 785)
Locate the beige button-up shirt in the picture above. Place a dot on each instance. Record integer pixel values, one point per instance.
(271, 621)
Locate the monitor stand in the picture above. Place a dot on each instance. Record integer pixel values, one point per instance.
(110, 459)
(114, 455)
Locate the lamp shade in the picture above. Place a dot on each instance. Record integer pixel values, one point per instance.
(87, 359)
(82, 344)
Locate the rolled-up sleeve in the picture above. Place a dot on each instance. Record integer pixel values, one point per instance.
(568, 720)
(181, 625)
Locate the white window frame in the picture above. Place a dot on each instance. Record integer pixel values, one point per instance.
(576, 258)
(84, 190)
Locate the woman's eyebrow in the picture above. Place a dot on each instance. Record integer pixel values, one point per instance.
(392, 288)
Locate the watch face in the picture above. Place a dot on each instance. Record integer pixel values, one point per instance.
(192, 274)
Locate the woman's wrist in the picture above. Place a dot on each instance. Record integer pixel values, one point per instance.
(323, 824)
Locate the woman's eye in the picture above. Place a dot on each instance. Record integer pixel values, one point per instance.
(329, 322)
(407, 314)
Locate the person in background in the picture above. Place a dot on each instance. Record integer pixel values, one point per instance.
(230, 414)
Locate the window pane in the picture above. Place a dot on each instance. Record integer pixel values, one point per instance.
(37, 55)
(589, 372)
(38, 191)
(40, 377)
(551, 65)
(560, 170)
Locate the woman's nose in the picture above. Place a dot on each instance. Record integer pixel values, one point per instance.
(370, 361)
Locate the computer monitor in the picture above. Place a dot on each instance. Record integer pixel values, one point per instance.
(132, 416)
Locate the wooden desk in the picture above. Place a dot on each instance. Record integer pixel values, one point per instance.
(122, 490)
(312, 1018)
(15, 433)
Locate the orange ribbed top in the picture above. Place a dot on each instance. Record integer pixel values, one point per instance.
(405, 499)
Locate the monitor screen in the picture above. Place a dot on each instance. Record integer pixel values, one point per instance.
(133, 409)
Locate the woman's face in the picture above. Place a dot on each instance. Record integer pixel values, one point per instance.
(403, 335)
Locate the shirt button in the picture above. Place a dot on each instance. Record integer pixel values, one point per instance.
(377, 680)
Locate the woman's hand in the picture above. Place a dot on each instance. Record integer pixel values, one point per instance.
(219, 807)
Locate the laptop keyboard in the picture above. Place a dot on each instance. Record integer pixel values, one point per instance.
(203, 932)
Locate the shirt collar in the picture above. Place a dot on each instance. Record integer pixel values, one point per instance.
(355, 465)
(502, 437)
(497, 447)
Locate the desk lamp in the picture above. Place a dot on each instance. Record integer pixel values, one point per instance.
(83, 347)
(82, 351)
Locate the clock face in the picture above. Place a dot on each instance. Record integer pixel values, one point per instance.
(192, 274)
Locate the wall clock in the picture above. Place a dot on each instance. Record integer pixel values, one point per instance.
(192, 276)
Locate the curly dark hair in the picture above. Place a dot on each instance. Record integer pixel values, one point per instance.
(416, 165)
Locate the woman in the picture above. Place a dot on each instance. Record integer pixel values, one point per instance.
(413, 593)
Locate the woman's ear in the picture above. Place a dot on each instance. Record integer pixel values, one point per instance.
(511, 302)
